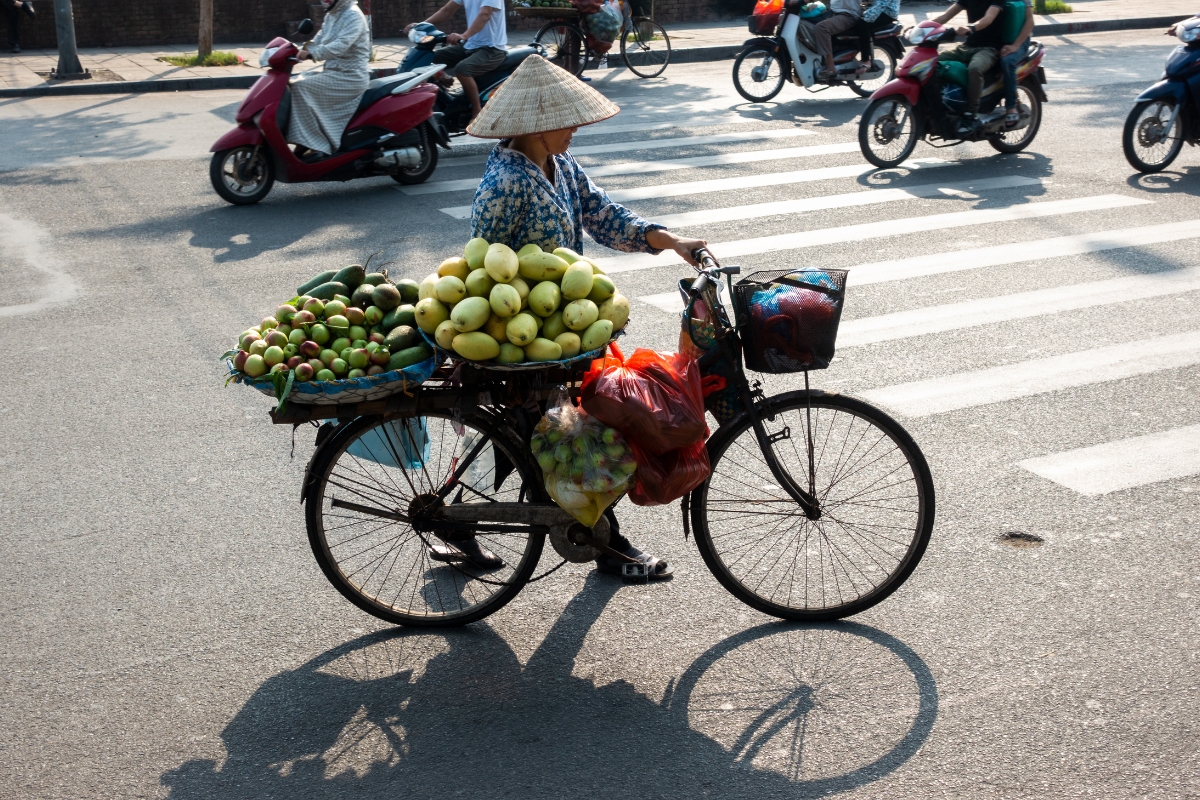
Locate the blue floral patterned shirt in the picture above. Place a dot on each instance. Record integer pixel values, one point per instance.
(516, 204)
(889, 7)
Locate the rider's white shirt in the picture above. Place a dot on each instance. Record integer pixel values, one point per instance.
(494, 33)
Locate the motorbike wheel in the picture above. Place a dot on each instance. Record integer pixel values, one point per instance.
(868, 88)
(889, 131)
(242, 175)
(1018, 140)
(429, 158)
(1149, 146)
(758, 74)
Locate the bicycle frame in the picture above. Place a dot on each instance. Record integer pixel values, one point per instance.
(729, 343)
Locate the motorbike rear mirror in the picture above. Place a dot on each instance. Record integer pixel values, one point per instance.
(304, 28)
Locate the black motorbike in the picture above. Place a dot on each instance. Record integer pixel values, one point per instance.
(1168, 113)
(453, 104)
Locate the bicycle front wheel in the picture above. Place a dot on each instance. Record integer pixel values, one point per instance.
(565, 45)
(646, 48)
(876, 500)
(375, 475)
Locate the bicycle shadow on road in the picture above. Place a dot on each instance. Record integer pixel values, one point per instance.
(776, 710)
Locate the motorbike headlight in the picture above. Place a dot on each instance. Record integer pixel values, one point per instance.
(1188, 33)
(265, 59)
(917, 35)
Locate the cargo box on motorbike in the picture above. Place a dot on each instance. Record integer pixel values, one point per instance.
(765, 17)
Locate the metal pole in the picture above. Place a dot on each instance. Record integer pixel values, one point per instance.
(206, 28)
(64, 25)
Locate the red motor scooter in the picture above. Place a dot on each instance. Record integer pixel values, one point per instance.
(394, 132)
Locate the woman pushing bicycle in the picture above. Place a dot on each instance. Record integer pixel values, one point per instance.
(534, 192)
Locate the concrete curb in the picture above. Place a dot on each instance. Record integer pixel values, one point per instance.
(685, 55)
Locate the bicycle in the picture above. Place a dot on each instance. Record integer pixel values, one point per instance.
(645, 46)
(814, 525)
(563, 38)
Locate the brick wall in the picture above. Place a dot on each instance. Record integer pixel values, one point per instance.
(142, 23)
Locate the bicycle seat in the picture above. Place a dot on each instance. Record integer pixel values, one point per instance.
(379, 89)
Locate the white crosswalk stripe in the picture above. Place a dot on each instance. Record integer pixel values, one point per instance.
(629, 125)
(964, 189)
(1123, 464)
(1025, 379)
(955, 316)
(656, 144)
(1018, 252)
(697, 188)
(874, 230)
(639, 167)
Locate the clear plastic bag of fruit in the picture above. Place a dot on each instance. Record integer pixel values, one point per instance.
(586, 465)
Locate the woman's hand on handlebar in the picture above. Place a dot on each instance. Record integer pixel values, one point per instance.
(663, 239)
(302, 55)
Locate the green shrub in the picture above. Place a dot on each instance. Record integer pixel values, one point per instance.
(217, 58)
(1051, 7)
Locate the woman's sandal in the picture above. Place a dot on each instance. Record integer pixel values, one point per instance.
(467, 551)
(656, 568)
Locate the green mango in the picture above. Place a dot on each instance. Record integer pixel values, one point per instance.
(376, 278)
(352, 276)
(326, 291)
(401, 337)
(404, 315)
(410, 290)
(315, 281)
(409, 356)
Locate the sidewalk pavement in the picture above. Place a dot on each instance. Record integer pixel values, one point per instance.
(133, 70)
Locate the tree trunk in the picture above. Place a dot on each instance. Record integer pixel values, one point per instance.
(206, 28)
(64, 25)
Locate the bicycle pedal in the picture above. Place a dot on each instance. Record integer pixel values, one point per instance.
(635, 573)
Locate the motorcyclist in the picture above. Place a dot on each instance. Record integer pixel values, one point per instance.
(1171, 31)
(879, 15)
(980, 53)
(846, 14)
(324, 102)
(478, 50)
(1010, 58)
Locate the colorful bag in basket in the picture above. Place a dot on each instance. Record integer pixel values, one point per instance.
(788, 319)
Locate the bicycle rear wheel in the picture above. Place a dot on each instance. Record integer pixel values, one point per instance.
(565, 44)
(374, 475)
(645, 47)
(876, 498)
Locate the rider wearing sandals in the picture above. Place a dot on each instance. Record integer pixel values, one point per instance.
(534, 192)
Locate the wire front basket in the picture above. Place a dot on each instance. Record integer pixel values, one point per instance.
(788, 319)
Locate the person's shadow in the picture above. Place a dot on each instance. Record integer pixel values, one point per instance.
(777, 710)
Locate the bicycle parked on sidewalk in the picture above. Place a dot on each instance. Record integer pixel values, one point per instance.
(818, 505)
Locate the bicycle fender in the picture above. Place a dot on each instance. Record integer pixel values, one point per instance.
(325, 435)
(765, 41)
(1164, 89)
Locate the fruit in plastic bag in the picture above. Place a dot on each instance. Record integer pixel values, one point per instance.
(662, 479)
(586, 465)
(654, 399)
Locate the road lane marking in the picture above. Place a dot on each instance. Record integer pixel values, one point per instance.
(1019, 252)
(848, 200)
(1124, 464)
(1028, 378)
(22, 241)
(656, 144)
(875, 230)
(972, 313)
(627, 125)
(693, 188)
(639, 167)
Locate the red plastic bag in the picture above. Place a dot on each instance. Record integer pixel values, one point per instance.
(654, 399)
(666, 478)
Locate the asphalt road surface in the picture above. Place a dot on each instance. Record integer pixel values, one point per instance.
(1032, 320)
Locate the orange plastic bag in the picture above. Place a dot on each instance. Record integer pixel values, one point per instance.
(654, 399)
(665, 478)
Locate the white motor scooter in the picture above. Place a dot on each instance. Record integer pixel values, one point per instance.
(788, 51)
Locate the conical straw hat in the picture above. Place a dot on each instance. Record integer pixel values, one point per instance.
(539, 97)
